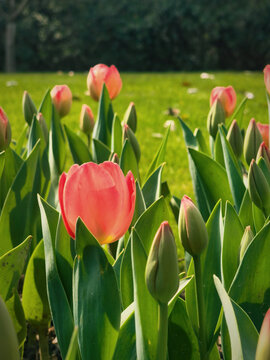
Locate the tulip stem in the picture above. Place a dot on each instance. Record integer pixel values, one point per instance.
(88, 141)
(162, 331)
(43, 343)
(200, 308)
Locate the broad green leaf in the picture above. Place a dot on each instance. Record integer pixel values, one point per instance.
(183, 283)
(101, 152)
(146, 308)
(128, 160)
(233, 232)
(182, 341)
(96, 299)
(57, 148)
(202, 146)
(117, 135)
(12, 265)
(233, 171)
(238, 114)
(152, 188)
(251, 285)
(34, 296)
(126, 279)
(159, 156)
(46, 108)
(21, 199)
(258, 218)
(73, 349)
(245, 213)
(214, 177)
(218, 151)
(210, 261)
(59, 305)
(103, 126)
(140, 206)
(78, 148)
(16, 312)
(19, 148)
(190, 139)
(126, 343)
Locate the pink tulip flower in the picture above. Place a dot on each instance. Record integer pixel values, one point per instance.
(264, 130)
(5, 130)
(101, 196)
(100, 74)
(227, 97)
(263, 347)
(267, 78)
(62, 99)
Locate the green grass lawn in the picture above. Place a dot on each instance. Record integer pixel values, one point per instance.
(152, 94)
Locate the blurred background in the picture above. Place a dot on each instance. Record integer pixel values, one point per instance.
(135, 35)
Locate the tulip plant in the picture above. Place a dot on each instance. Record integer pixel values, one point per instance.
(89, 249)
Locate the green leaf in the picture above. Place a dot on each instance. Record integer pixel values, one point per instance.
(73, 349)
(251, 285)
(59, 305)
(245, 213)
(202, 146)
(210, 260)
(233, 171)
(12, 265)
(140, 206)
(214, 178)
(126, 279)
(233, 232)
(218, 151)
(238, 114)
(152, 188)
(19, 148)
(21, 199)
(126, 343)
(116, 146)
(190, 139)
(146, 308)
(103, 126)
(78, 148)
(128, 160)
(182, 285)
(258, 217)
(57, 148)
(34, 296)
(101, 152)
(96, 300)
(46, 108)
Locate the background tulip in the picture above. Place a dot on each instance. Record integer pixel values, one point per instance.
(29, 108)
(266, 72)
(252, 141)
(227, 97)
(87, 121)
(264, 130)
(62, 99)
(5, 130)
(101, 196)
(263, 347)
(100, 74)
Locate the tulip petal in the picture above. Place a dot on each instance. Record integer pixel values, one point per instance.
(62, 182)
(113, 82)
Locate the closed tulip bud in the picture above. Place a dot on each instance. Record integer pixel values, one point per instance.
(216, 116)
(129, 134)
(235, 138)
(264, 130)
(62, 99)
(8, 338)
(226, 96)
(5, 130)
(263, 346)
(161, 272)
(264, 153)
(258, 188)
(191, 227)
(29, 108)
(266, 72)
(43, 126)
(253, 139)
(114, 158)
(245, 241)
(87, 121)
(130, 117)
(100, 74)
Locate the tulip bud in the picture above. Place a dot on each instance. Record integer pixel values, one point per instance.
(258, 187)
(43, 126)
(263, 346)
(227, 97)
(8, 338)
(100, 74)
(245, 241)
(29, 108)
(191, 227)
(235, 138)
(87, 121)
(266, 72)
(264, 130)
(129, 134)
(264, 153)
(62, 99)
(114, 158)
(161, 272)
(5, 130)
(216, 116)
(253, 139)
(130, 117)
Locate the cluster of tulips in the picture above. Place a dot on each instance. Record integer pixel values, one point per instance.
(93, 251)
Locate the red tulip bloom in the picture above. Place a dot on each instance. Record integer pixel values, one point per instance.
(263, 347)
(62, 99)
(267, 78)
(5, 130)
(100, 74)
(264, 130)
(101, 196)
(227, 97)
